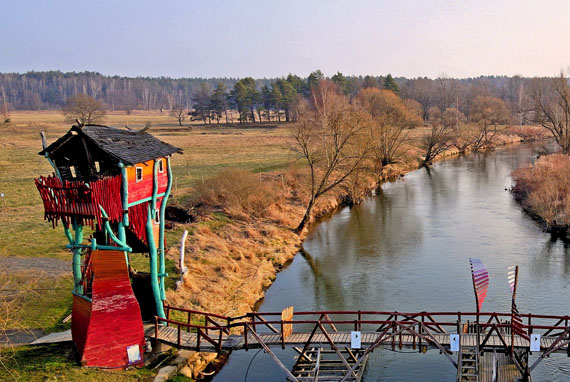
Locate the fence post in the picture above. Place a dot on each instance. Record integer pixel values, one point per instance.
(178, 335)
(282, 336)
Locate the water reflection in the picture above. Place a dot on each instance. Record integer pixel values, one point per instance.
(407, 249)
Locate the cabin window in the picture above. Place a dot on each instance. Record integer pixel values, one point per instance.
(72, 170)
(139, 174)
(161, 165)
(97, 167)
(156, 216)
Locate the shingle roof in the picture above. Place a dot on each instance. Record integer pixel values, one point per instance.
(129, 146)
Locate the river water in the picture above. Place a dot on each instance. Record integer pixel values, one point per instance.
(408, 249)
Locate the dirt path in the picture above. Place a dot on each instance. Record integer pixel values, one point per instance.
(46, 266)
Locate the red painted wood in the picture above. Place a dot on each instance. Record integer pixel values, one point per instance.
(143, 189)
(103, 330)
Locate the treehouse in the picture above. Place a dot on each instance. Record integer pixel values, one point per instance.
(117, 183)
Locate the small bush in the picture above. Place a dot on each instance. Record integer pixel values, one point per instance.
(544, 189)
(239, 193)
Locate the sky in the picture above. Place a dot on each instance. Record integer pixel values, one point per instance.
(271, 38)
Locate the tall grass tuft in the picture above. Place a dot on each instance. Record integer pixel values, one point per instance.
(544, 189)
(239, 193)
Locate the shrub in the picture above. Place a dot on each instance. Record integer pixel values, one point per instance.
(239, 193)
(544, 189)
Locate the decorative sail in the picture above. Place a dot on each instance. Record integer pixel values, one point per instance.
(516, 319)
(512, 276)
(480, 278)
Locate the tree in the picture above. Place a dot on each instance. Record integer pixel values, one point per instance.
(551, 108)
(489, 112)
(276, 100)
(331, 137)
(5, 109)
(267, 101)
(219, 102)
(298, 84)
(441, 135)
(423, 91)
(370, 82)
(245, 96)
(179, 112)
(87, 110)
(390, 84)
(314, 79)
(340, 80)
(201, 103)
(390, 121)
(288, 97)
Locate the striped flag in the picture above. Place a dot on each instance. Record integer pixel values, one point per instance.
(480, 278)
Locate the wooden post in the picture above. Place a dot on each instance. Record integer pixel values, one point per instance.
(178, 335)
(282, 335)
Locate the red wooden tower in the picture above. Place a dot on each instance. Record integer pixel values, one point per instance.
(117, 183)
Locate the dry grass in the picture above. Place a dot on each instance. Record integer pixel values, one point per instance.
(544, 189)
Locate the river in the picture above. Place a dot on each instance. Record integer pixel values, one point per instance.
(407, 249)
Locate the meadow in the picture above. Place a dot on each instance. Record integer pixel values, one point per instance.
(25, 234)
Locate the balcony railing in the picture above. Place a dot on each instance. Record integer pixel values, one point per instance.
(80, 200)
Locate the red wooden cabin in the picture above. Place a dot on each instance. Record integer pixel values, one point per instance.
(117, 182)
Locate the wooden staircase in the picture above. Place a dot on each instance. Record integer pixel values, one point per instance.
(468, 364)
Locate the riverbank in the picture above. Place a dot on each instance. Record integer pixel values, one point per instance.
(232, 261)
(543, 189)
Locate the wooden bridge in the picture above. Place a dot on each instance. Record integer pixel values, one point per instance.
(475, 343)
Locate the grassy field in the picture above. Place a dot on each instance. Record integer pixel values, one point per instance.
(24, 233)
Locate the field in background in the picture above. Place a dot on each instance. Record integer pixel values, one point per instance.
(24, 233)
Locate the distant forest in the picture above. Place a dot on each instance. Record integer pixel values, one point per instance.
(49, 90)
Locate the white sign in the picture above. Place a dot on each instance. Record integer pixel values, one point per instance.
(134, 353)
(535, 342)
(454, 342)
(355, 340)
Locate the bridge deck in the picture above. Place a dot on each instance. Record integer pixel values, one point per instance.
(169, 335)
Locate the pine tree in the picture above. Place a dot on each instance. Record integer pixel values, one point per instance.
(390, 84)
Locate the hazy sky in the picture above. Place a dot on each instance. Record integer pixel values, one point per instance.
(267, 38)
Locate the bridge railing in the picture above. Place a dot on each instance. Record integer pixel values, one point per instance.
(435, 322)
(195, 321)
(483, 323)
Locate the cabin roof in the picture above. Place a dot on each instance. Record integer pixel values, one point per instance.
(130, 147)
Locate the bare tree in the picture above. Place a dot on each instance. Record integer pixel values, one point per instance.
(489, 112)
(5, 110)
(180, 113)
(87, 110)
(331, 137)
(441, 135)
(391, 120)
(551, 108)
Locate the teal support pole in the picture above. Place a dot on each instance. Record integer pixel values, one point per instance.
(96, 247)
(125, 194)
(154, 189)
(153, 266)
(51, 162)
(161, 232)
(68, 234)
(77, 258)
(125, 204)
(109, 231)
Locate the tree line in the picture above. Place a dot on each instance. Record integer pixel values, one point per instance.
(253, 99)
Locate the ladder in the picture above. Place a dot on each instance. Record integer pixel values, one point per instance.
(468, 364)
